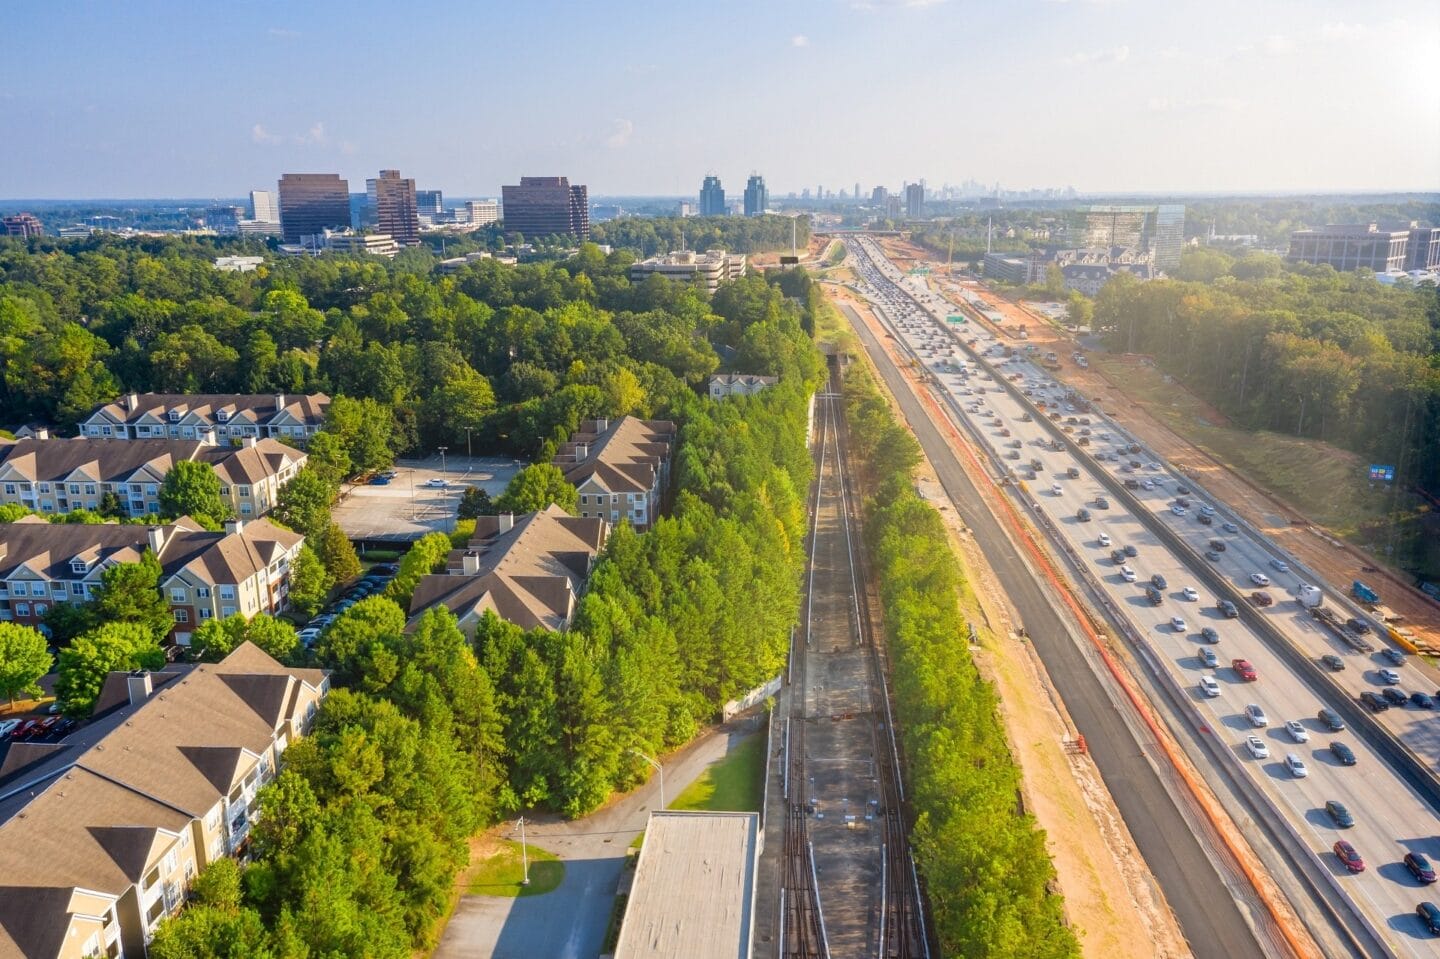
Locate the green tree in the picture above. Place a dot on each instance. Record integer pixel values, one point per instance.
(474, 502)
(24, 658)
(303, 504)
(425, 557)
(214, 639)
(337, 554)
(192, 489)
(86, 662)
(364, 428)
(67, 620)
(130, 593)
(328, 457)
(310, 581)
(111, 506)
(534, 488)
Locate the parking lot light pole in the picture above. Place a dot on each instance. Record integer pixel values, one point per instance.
(659, 768)
(469, 450)
(442, 458)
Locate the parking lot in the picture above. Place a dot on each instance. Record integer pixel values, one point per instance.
(413, 503)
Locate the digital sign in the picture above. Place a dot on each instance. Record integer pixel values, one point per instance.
(1382, 474)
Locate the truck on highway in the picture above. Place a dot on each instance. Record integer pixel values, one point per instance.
(1364, 593)
(1310, 596)
(1351, 637)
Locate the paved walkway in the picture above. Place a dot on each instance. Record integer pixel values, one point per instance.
(570, 922)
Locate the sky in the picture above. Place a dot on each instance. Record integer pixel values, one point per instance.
(202, 99)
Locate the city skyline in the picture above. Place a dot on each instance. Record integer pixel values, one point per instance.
(1191, 98)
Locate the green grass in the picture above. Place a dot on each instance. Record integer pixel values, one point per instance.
(732, 784)
(500, 874)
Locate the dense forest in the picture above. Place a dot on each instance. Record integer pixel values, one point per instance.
(737, 234)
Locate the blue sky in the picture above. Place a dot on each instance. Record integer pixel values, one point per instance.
(155, 99)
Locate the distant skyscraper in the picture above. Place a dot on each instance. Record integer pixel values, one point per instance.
(546, 206)
(262, 206)
(481, 212)
(21, 224)
(311, 203)
(224, 219)
(857, 191)
(712, 197)
(914, 200)
(878, 196)
(757, 198)
(393, 199)
(429, 202)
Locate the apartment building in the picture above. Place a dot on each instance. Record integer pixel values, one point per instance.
(739, 384)
(528, 570)
(619, 467)
(708, 269)
(228, 417)
(102, 834)
(244, 569)
(59, 476)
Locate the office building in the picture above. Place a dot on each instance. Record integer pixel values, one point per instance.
(546, 206)
(1347, 247)
(712, 197)
(393, 199)
(224, 219)
(757, 198)
(1007, 267)
(1159, 230)
(707, 270)
(263, 206)
(914, 200)
(429, 202)
(878, 196)
(375, 244)
(238, 264)
(311, 203)
(481, 212)
(619, 467)
(1422, 252)
(22, 225)
(685, 208)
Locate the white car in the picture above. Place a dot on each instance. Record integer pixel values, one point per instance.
(435, 483)
(1256, 716)
(1189, 593)
(1280, 566)
(1296, 765)
(1178, 624)
(9, 726)
(1104, 539)
(1387, 676)
(1257, 747)
(1208, 687)
(1260, 579)
(1128, 573)
(1055, 489)
(1297, 732)
(1148, 484)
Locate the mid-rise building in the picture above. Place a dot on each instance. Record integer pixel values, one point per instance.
(224, 219)
(263, 206)
(311, 203)
(238, 264)
(878, 196)
(229, 417)
(712, 197)
(61, 476)
(102, 833)
(619, 467)
(529, 570)
(547, 206)
(1158, 230)
(914, 200)
(708, 269)
(685, 208)
(481, 212)
(739, 384)
(375, 244)
(1422, 251)
(1347, 247)
(757, 198)
(1007, 267)
(22, 225)
(396, 209)
(430, 202)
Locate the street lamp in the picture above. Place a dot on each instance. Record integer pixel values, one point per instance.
(469, 452)
(442, 458)
(524, 856)
(659, 768)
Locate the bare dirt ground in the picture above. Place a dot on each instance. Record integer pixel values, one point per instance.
(1110, 894)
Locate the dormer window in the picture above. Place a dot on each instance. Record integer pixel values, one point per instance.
(222, 416)
(79, 566)
(174, 416)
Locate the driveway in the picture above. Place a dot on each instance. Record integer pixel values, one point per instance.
(570, 922)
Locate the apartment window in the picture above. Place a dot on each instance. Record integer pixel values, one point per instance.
(151, 879)
(227, 592)
(227, 611)
(205, 612)
(41, 609)
(44, 487)
(246, 509)
(244, 490)
(152, 490)
(74, 489)
(172, 859)
(137, 489)
(212, 821)
(57, 590)
(9, 489)
(584, 500)
(19, 588)
(154, 913)
(77, 589)
(173, 416)
(224, 490)
(182, 615)
(89, 489)
(177, 594)
(203, 592)
(222, 416)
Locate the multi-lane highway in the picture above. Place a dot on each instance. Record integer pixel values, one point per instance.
(997, 398)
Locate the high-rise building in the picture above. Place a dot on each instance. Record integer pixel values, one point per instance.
(757, 198)
(878, 196)
(712, 197)
(262, 206)
(429, 202)
(1357, 246)
(1159, 230)
(393, 199)
(481, 212)
(311, 203)
(857, 191)
(545, 206)
(914, 200)
(21, 224)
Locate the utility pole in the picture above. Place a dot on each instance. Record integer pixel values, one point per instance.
(659, 768)
(442, 457)
(524, 856)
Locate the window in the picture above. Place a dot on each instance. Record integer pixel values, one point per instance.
(227, 592)
(246, 509)
(205, 612)
(89, 489)
(19, 588)
(227, 611)
(74, 489)
(584, 500)
(151, 879)
(41, 609)
(137, 489)
(106, 431)
(77, 589)
(222, 416)
(152, 490)
(9, 489)
(177, 594)
(44, 487)
(155, 912)
(58, 590)
(172, 859)
(203, 592)
(182, 615)
(173, 416)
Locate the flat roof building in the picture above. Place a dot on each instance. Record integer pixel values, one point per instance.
(21, 224)
(708, 269)
(547, 206)
(1422, 252)
(481, 212)
(914, 200)
(375, 244)
(1347, 247)
(263, 206)
(394, 201)
(311, 203)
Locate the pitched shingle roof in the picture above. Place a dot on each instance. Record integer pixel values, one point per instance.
(622, 456)
(262, 407)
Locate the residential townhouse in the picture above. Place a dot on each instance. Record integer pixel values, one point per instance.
(102, 834)
(529, 570)
(228, 417)
(739, 384)
(58, 476)
(205, 575)
(619, 467)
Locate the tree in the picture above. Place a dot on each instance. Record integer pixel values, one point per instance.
(130, 593)
(67, 620)
(303, 504)
(337, 554)
(328, 458)
(1078, 309)
(24, 658)
(192, 489)
(475, 501)
(426, 556)
(111, 506)
(363, 427)
(215, 639)
(86, 662)
(310, 581)
(534, 488)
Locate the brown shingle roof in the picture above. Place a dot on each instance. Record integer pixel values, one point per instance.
(261, 407)
(623, 456)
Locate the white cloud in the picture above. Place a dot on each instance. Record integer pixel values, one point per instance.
(316, 134)
(1114, 55)
(1277, 45)
(620, 131)
(799, 40)
(261, 135)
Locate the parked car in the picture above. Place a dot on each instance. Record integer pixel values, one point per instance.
(379, 481)
(9, 726)
(1339, 814)
(1348, 857)
(1343, 754)
(1429, 914)
(435, 482)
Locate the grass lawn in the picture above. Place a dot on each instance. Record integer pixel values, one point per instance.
(499, 872)
(732, 784)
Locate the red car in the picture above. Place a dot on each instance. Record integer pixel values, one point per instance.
(1348, 857)
(38, 728)
(24, 730)
(1243, 668)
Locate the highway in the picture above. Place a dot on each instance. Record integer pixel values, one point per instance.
(1392, 816)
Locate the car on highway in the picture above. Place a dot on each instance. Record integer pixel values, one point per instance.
(1178, 624)
(1130, 550)
(1256, 716)
(1359, 626)
(1393, 655)
(1395, 696)
(1212, 556)
(1257, 747)
(1148, 483)
(1330, 719)
(1374, 701)
(1339, 813)
(1429, 914)
(1228, 608)
(1348, 857)
(1230, 527)
(1419, 865)
(1388, 676)
(1055, 489)
(1102, 503)
(1104, 539)
(1218, 545)
(1189, 593)
(1128, 574)
(1343, 754)
(1158, 581)
(1297, 731)
(1178, 510)
(1279, 566)
(1422, 700)
(1261, 598)
(1209, 657)
(1260, 579)
(1208, 687)
(1244, 670)
(1332, 662)
(1296, 765)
